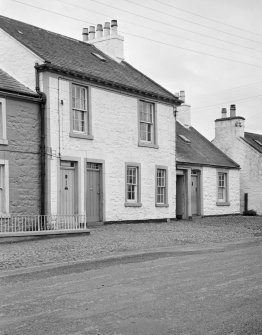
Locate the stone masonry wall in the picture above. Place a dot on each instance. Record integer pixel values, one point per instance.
(210, 192)
(115, 131)
(22, 151)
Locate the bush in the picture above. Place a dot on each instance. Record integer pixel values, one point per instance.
(250, 212)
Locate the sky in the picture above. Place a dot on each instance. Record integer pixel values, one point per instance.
(210, 49)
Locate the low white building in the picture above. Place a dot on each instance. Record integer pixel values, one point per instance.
(208, 181)
(246, 149)
(110, 130)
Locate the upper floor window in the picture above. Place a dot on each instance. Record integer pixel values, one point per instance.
(147, 124)
(81, 119)
(3, 138)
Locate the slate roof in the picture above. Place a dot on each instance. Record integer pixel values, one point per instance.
(251, 139)
(61, 52)
(200, 151)
(9, 84)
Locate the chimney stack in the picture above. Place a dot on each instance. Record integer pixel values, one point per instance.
(232, 110)
(108, 41)
(85, 34)
(91, 32)
(224, 113)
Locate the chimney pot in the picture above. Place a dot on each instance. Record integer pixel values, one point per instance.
(224, 113)
(114, 27)
(182, 96)
(91, 32)
(85, 34)
(99, 31)
(232, 110)
(107, 29)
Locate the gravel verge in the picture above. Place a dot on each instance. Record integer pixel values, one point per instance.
(120, 238)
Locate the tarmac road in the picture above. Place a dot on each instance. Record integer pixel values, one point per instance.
(207, 291)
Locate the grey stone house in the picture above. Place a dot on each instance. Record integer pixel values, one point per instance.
(20, 161)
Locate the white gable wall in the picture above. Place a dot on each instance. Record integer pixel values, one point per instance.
(17, 60)
(115, 130)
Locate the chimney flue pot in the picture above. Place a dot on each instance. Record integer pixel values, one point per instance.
(224, 113)
(91, 32)
(182, 96)
(232, 110)
(85, 34)
(107, 29)
(99, 31)
(114, 27)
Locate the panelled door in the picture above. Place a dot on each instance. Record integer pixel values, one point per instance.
(67, 188)
(93, 192)
(194, 193)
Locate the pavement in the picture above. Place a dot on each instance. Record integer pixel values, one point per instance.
(184, 289)
(123, 239)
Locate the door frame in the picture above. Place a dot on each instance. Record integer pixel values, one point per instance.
(102, 185)
(77, 161)
(187, 170)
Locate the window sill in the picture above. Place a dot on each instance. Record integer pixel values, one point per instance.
(3, 141)
(148, 145)
(4, 216)
(133, 204)
(79, 135)
(225, 203)
(162, 205)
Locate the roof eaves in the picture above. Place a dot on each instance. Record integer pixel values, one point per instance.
(206, 164)
(47, 66)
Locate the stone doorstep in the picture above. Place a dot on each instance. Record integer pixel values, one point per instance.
(31, 235)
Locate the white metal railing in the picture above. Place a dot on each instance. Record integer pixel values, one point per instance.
(27, 223)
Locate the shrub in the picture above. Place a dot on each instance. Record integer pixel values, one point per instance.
(250, 212)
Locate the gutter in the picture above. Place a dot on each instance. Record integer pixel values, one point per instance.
(106, 83)
(20, 95)
(42, 140)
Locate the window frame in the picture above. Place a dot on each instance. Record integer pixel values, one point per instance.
(165, 203)
(3, 139)
(5, 211)
(136, 202)
(224, 201)
(154, 141)
(87, 134)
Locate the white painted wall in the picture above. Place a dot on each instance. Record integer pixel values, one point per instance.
(210, 192)
(230, 140)
(115, 130)
(17, 60)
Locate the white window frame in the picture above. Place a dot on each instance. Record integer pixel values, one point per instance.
(223, 184)
(5, 186)
(84, 110)
(163, 186)
(3, 137)
(136, 202)
(151, 123)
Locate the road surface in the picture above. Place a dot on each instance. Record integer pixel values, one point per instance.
(216, 291)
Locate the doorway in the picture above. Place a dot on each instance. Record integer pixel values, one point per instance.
(68, 188)
(93, 192)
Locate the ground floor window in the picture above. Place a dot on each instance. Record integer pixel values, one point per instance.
(161, 186)
(4, 187)
(222, 191)
(133, 184)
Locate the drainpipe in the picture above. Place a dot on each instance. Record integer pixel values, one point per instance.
(42, 139)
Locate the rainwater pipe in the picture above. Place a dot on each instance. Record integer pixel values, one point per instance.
(42, 141)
